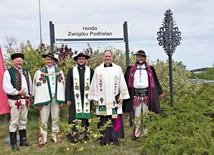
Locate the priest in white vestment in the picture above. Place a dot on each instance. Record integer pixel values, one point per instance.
(108, 90)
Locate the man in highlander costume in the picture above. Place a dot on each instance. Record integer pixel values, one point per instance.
(144, 89)
(76, 94)
(49, 95)
(17, 85)
(108, 90)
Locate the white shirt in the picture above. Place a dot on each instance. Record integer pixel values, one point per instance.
(141, 77)
(52, 78)
(8, 87)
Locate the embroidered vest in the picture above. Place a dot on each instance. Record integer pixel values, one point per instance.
(44, 79)
(16, 80)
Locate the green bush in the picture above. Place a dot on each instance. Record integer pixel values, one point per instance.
(185, 128)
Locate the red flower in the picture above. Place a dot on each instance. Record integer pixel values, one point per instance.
(40, 79)
(60, 74)
(42, 75)
(86, 110)
(86, 87)
(43, 81)
(59, 80)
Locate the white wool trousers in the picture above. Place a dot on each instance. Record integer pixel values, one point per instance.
(18, 114)
(54, 109)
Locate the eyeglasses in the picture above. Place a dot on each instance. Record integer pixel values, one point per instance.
(81, 59)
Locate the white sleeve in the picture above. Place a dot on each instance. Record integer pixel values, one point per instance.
(93, 91)
(34, 84)
(30, 81)
(7, 85)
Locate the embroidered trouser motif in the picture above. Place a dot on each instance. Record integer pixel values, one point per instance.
(139, 108)
(18, 114)
(52, 107)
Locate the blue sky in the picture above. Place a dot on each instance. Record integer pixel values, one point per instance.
(194, 18)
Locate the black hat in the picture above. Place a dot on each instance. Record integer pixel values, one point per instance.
(17, 55)
(51, 55)
(140, 52)
(81, 54)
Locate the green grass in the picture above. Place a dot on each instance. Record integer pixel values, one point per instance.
(127, 146)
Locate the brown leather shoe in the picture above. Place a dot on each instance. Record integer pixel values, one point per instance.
(41, 144)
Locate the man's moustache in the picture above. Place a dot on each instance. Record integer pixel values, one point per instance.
(19, 66)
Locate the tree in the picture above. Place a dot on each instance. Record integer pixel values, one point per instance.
(32, 56)
(34, 61)
(181, 84)
(208, 74)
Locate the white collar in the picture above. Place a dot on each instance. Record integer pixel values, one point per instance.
(52, 67)
(143, 66)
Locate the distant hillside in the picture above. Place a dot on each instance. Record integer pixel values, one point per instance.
(198, 81)
(199, 70)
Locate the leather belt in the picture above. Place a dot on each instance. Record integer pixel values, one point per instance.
(19, 97)
(140, 91)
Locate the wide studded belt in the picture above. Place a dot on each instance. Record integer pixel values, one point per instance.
(140, 91)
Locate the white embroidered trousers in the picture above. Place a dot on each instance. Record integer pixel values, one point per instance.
(18, 114)
(54, 109)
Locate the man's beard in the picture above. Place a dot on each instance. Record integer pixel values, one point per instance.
(140, 62)
(81, 65)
